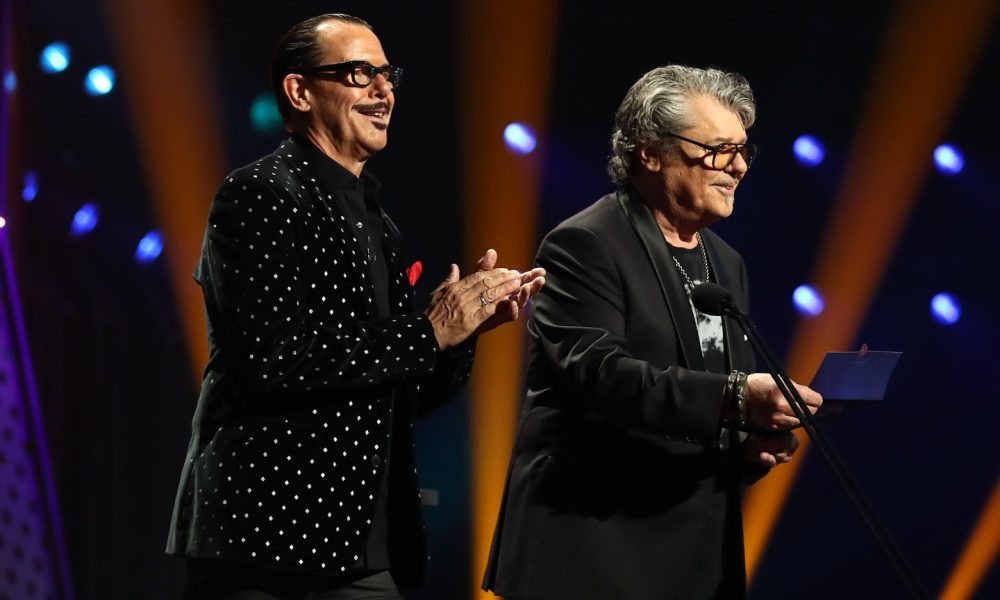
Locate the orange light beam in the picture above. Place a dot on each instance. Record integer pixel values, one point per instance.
(165, 55)
(930, 49)
(505, 64)
(980, 552)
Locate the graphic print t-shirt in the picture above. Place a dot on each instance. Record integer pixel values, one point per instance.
(710, 330)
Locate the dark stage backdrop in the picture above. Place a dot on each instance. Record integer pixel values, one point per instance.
(112, 364)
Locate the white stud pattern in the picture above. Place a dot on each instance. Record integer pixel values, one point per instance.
(284, 465)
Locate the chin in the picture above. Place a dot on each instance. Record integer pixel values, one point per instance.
(375, 147)
(723, 212)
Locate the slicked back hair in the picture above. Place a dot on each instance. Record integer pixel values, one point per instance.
(659, 102)
(299, 49)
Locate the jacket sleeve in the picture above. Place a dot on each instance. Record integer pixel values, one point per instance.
(454, 367)
(579, 323)
(250, 275)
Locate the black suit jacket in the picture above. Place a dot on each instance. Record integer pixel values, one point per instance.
(290, 434)
(617, 486)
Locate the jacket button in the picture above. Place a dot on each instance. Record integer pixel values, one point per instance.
(376, 460)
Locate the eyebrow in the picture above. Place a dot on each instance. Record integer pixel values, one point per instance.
(724, 140)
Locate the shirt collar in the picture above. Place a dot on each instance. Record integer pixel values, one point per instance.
(331, 175)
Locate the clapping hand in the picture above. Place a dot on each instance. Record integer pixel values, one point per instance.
(477, 303)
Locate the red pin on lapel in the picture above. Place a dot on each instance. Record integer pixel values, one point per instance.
(413, 272)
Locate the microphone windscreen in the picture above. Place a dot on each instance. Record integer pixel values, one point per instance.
(711, 298)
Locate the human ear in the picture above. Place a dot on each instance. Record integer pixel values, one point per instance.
(649, 157)
(295, 89)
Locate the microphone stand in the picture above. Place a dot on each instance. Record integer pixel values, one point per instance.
(878, 530)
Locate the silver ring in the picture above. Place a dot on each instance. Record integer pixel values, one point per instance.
(482, 300)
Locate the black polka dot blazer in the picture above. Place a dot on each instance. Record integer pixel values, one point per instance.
(295, 413)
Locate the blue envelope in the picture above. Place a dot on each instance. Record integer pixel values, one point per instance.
(852, 378)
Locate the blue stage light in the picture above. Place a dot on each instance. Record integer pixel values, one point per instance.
(808, 150)
(949, 159)
(55, 57)
(520, 138)
(85, 219)
(945, 308)
(3, 222)
(808, 300)
(264, 114)
(149, 247)
(10, 82)
(30, 188)
(100, 80)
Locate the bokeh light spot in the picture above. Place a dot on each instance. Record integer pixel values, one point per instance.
(100, 80)
(149, 247)
(808, 150)
(945, 308)
(808, 300)
(949, 159)
(55, 57)
(519, 138)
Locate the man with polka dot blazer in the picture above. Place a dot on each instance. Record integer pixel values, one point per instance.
(299, 480)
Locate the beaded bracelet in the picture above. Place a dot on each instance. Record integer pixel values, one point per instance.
(741, 396)
(736, 392)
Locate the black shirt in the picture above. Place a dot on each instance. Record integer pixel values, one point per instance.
(710, 330)
(365, 217)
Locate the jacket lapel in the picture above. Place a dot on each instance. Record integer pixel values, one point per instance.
(322, 199)
(326, 200)
(400, 290)
(667, 277)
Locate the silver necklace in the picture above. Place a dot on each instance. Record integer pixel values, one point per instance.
(704, 257)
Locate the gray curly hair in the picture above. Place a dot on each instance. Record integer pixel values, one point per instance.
(658, 103)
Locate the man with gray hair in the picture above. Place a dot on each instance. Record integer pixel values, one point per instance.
(625, 476)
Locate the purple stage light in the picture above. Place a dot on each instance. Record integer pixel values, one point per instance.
(808, 150)
(808, 300)
(520, 138)
(29, 190)
(85, 219)
(945, 308)
(948, 159)
(149, 247)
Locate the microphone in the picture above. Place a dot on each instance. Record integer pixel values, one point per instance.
(712, 299)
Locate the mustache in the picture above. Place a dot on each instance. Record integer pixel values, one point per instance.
(373, 106)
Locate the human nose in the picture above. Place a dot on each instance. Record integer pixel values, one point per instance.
(381, 85)
(738, 165)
